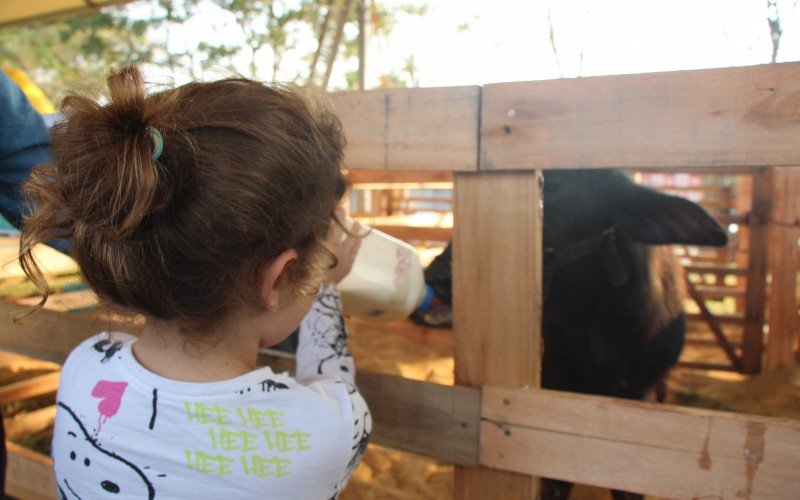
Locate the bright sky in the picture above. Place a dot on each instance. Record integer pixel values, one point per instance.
(508, 40)
(463, 42)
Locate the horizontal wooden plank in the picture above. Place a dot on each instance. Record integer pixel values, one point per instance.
(83, 300)
(13, 13)
(361, 177)
(720, 270)
(52, 335)
(696, 365)
(708, 342)
(718, 292)
(715, 190)
(410, 129)
(653, 449)
(36, 386)
(431, 419)
(435, 420)
(734, 318)
(29, 422)
(712, 170)
(741, 117)
(29, 475)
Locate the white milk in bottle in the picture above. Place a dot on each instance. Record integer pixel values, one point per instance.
(386, 281)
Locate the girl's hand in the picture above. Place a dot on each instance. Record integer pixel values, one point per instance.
(345, 247)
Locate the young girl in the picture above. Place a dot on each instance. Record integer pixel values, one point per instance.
(211, 209)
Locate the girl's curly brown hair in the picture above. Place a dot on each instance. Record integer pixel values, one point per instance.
(248, 171)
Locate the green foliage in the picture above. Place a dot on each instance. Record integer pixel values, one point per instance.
(76, 51)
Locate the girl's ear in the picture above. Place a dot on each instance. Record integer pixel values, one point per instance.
(270, 279)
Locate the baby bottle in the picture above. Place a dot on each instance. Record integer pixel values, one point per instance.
(386, 281)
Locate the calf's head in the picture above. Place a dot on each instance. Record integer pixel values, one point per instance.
(580, 204)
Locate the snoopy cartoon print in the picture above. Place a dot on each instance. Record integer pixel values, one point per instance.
(86, 470)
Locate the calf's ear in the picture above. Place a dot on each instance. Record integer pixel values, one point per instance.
(654, 218)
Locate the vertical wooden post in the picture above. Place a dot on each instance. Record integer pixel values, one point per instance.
(744, 203)
(784, 254)
(756, 293)
(497, 300)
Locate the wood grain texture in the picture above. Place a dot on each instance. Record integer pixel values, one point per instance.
(746, 116)
(32, 387)
(410, 129)
(29, 475)
(431, 419)
(362, 177)
(784, 256)
(497, 278)
(661, 450)
(497, 300)
(755, 299)
(52, 335)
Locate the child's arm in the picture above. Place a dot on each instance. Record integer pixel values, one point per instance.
(323, 354)
(322, 348)
(322, 351)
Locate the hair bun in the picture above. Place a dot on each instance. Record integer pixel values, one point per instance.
(106, 156)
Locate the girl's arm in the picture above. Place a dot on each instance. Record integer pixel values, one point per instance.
(322, 351)
(322, 348)
(323, 355)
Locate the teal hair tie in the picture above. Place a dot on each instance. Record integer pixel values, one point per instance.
(158, 142)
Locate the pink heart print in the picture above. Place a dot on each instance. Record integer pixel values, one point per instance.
(110, 394)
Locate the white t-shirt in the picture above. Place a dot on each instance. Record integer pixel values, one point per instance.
(122, 431)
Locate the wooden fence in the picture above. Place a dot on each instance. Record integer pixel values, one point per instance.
(496, 424)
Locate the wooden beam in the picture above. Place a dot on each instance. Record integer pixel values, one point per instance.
(785, 255)
(15, 13)
(358, 177)
(36, 386)
(420, 417)
(713, 323)
(410, 129)
(497, 300)
(29, 474)
(757, 268)
(719, 270)
(719, 292)
(696, 365)
(702, 170)
(30, 422)
(735, 318)
(709, 118)
(660, 450)
(707, 342)
(51, 335)
(435, 420)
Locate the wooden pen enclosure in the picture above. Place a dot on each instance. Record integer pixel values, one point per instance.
(496, 424)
